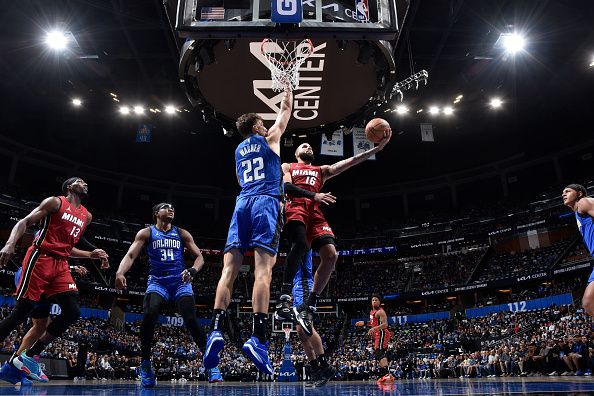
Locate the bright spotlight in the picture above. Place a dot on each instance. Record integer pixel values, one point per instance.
(433, 110)
(124, 110)
(401, 109)
(448, 110)
(513, 42)
(592, 61)
(170, 109)
(138, 110)
(56, 40)
(496, 103)
(76, 102)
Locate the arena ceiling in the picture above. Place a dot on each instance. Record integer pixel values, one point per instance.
(126, 48)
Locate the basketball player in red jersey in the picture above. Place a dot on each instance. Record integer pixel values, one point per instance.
(378, 320)
(306, 226)
(45, 269)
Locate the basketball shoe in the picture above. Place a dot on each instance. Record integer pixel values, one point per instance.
(11, 374)
(147, 376)
(214, 375)
(386, 379)
(258, 353)
(214, 345)
(304, 317)
(30, 366)
(314, 377)
(326, 374)
(284, 311)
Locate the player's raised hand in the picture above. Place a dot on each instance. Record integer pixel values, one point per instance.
(120, 282)
(325, 198)
(385, 139)
(5, 254)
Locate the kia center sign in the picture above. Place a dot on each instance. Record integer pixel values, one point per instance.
(336, 85)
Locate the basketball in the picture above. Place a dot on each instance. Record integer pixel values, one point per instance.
(374, 130)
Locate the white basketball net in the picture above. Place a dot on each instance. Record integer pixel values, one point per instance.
(287, 333)
(284, 60)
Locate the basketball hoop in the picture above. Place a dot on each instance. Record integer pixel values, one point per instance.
(287, 331)
(285, 57)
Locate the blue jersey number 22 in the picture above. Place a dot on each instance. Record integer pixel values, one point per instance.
(253, 169)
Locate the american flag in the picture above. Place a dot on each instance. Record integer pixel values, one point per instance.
(212, 13)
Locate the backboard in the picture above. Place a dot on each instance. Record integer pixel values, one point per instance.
(345, 19)
(350, 73)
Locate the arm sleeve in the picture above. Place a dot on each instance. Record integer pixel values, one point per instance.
(298, 192)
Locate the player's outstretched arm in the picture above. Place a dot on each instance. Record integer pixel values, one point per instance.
(329, 171)
(282, 119)
(140, 240)
(46, 207)
(189, 274)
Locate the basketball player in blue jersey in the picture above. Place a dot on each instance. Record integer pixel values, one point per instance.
(256, 224)
(321, 371)
(575, 197)
(168, 280)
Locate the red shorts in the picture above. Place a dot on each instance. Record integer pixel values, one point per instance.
(309, 213)
(44, 275)
(381, 339)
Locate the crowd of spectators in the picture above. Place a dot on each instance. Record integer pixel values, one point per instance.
(552, 341)
(510, 264)
(448, 269)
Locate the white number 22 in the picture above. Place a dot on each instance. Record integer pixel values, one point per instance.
(255, 164)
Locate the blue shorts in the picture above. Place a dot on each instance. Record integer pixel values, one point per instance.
(591, 278)
(257, 222)
(169, 287)
(303, 281)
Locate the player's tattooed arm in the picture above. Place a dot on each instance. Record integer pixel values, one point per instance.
(140, 240)
(329, 171)
(190, 273)
(46, 207)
